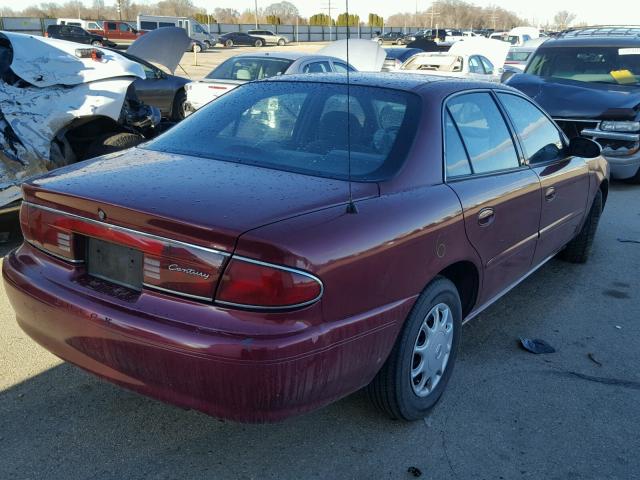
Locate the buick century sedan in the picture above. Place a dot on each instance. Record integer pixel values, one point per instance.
(302, 238)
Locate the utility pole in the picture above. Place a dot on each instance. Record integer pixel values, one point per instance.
(256, 11)
(329, 9)
(433, 13)
(119, 8)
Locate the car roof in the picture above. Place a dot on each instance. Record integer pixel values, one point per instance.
(411, 82)
(282, 55)
(595, 40)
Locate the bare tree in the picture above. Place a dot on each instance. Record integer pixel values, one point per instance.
(287, 12)
(226, 15)
(563, 19)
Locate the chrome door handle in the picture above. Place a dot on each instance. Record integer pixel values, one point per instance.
(486, 216)
(550, 194)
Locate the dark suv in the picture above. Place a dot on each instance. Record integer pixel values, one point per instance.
(75, 34)
(588, 79)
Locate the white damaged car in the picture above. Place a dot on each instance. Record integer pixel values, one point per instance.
(62, 102)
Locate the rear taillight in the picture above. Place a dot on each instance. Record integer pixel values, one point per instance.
(47, 231)
(252, 284)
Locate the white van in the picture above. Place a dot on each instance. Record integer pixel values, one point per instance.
(77, 22)
(520, 35)
(194, 29)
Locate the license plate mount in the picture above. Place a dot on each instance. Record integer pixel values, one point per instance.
(115, 263)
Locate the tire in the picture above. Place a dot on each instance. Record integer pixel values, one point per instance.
(177, 108)
(196, 48)
(96, 43)
(281, 42)
(399, 42)
(258, 43)
(113, 142)
(393, 389)
(207, 45)
(578, 249)
(228, 43)
(380, 42)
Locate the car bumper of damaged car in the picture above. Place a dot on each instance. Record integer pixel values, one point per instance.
(622, 151)
(237, 367)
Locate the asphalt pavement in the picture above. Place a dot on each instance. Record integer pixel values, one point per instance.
(507, 414)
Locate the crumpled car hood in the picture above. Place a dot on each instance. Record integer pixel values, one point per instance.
(44, 62)
(580, 100)
(59, 88)
(364, 55)
(164, 46)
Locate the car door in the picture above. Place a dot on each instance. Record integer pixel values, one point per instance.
(499, 194)
(81, 35)
(111, 30)
(564, 179)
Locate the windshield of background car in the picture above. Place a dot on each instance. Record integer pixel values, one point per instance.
(248, 69)
(317, 129)
(616, 65)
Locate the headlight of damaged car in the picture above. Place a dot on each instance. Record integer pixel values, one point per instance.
(615, 126)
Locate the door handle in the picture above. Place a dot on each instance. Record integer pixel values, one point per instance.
(550, 194)
(486, 217)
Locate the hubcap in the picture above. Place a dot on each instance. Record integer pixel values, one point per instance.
(431, 350)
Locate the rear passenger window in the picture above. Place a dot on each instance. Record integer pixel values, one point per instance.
(541, 140)
(484, 132)
(456, 158)
(317, 67)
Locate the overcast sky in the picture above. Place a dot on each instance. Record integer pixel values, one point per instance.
(591, 11)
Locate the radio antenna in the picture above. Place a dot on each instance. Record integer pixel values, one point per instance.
(351, 206)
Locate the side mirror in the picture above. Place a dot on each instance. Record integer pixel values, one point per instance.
(583, 147)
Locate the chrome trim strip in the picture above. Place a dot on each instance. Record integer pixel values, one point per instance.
(628, 137)
(129, 230)
(278, 267)
(59, 257)
(573, 120)
(509, 251)
(497, 297)
(559, 221)
(173, 292)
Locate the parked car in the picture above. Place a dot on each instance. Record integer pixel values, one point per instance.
(520, 36)
(119, 32)
(160, 89)
(477, 58)
(86, 24)
(78, 35)
(256, 66)
(270, 37)
(396, 38)
(397, 56)
(301, 238)
(195, 30)
(588, 79)
(240, 38)
(61, 102)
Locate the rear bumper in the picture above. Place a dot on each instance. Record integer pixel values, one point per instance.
(286, 369)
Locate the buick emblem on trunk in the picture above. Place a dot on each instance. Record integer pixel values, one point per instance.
(189, 271)
(101, 214)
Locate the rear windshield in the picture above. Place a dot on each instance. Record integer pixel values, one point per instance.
(247, 68)
(617, 65)
(311, 128)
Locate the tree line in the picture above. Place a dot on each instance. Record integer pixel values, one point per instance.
(443, 13)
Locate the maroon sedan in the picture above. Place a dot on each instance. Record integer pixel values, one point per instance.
(299, 239)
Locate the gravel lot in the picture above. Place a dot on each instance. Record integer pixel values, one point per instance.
(506, 414)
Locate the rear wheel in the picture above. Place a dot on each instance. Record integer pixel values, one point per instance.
(258, 43)
(281, 42)
(578, 249)
(416, 373)
(380, 42)
(399, 41)
(96, 43)
(228, 43)
(197, 48)
(113, 142)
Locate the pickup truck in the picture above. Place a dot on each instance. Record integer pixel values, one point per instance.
(120, 33)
